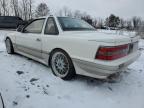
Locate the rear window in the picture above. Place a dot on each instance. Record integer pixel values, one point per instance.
(73, 24)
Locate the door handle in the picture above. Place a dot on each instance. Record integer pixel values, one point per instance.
(38, 39)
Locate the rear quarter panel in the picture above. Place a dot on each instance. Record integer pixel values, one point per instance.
(76, 47)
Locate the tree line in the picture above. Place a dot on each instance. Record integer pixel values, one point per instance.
(27, 11)
(111, 22)
(23, 8)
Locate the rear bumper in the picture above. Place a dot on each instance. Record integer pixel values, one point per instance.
(103, 69)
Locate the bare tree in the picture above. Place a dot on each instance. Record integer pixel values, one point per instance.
(122, 23)
(140, 31)
(69, 13)
(136, 22)
(95, 22)
(100, 23)
(59, 13)
(65, 11)
(4, 8)
(30, 9)
(42, 10)
(129, 25)
(14, 4)
(0, 11)
(77, 14)
(24, 9)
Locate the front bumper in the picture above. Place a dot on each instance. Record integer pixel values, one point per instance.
(103, 69)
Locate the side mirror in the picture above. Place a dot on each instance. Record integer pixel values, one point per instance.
(20, 28)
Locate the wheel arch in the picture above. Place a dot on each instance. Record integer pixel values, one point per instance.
(12, 37)
(71, 72)
(7, 37)
(58, 49)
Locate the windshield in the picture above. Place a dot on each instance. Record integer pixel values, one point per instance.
(73, 24)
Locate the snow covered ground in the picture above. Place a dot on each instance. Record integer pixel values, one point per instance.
(25, 83)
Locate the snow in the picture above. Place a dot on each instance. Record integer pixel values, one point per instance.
(25, 83)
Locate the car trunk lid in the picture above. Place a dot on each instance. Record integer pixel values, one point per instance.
(103, 37)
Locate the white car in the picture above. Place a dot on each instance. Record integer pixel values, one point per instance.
(71, 46)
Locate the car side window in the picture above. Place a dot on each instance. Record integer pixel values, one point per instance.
(35, 27)
(51, 27)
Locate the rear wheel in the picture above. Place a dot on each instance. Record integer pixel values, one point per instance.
(9, 46)
(62, 65)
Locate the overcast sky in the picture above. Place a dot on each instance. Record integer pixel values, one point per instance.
(101, 8)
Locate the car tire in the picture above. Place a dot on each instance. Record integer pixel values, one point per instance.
(9, 46)
(61, 65)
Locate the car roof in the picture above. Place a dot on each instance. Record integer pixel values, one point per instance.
(46, 16)
(53, 16)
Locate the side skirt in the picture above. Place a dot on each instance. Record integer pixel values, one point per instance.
(43, 61)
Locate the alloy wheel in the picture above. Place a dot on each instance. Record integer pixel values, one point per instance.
(60, 64)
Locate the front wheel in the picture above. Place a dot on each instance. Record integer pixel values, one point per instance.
(9, 46)
(62, 65)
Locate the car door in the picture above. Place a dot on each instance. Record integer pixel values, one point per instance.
(29, 40)
(50, 34)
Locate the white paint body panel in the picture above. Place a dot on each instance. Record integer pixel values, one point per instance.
(80, 45)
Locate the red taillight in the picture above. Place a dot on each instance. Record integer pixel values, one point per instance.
(112, 53)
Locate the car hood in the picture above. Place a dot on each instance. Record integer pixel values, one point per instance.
(101, 37)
